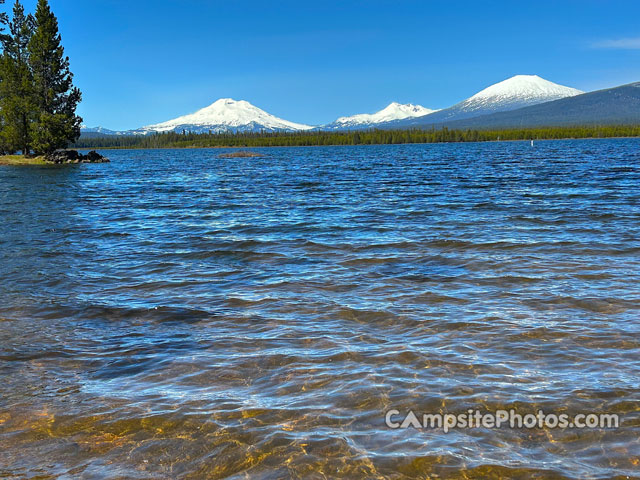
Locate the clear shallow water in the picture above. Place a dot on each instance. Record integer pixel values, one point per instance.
(176, 315)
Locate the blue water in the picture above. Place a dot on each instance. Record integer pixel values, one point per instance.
(174, 314)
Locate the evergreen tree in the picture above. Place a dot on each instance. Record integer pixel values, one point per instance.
(55, 96)
(4, 21)
(16, 90)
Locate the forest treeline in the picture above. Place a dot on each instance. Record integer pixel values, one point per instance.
(369, 137)
(37, 97)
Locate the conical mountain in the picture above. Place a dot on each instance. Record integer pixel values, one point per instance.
(226, 115)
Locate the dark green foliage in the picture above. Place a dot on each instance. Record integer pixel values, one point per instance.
(16, 90)
(4, 21)
(37, 97)
(369, 137)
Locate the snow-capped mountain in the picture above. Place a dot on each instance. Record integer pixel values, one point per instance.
(516, 92)
(394, 111)
(511, 94)
(226, 115)
(612, 106)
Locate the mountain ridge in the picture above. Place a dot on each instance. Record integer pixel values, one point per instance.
(499, 105)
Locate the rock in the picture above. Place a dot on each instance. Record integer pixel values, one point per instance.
(61, 156)
(94, 156)
(72, 156)
(240, 154)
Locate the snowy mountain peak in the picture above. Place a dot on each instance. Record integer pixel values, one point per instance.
(393, 111)
(515, 92)
(227, 114)
(527, 88)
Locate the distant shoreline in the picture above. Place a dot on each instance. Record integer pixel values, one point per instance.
(239, 147)
(220, 147)
(352, 138)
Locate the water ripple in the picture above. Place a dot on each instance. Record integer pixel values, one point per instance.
(178, 315)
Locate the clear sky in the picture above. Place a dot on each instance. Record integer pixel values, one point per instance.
(140, 62)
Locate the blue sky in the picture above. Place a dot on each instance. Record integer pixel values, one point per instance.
(141, 62)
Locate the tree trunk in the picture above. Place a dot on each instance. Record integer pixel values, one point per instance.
(25, 136)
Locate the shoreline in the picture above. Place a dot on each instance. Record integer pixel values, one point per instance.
(21, 160)
(59, 157)
(215, 147)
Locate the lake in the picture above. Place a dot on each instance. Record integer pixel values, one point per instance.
(173, 314)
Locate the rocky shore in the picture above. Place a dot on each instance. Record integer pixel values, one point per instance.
(73, 156)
